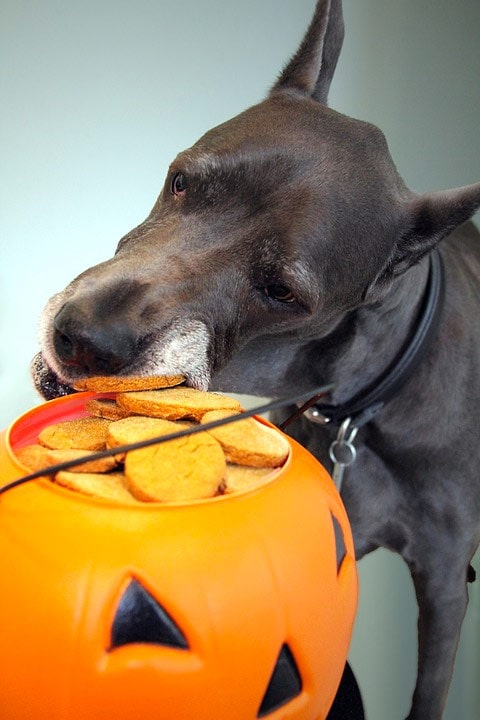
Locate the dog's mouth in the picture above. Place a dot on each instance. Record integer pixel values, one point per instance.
(181, 348)
(50, 386)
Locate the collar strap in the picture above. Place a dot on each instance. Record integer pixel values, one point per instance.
(365, 404)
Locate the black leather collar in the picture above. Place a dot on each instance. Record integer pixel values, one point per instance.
(369, 401)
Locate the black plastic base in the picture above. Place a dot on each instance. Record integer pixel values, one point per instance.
(348, 703)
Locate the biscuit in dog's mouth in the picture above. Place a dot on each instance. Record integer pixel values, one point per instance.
(50, 386)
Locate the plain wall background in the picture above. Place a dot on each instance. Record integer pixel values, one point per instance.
(98, 97)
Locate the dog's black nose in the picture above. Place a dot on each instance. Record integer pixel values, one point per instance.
(94, 347)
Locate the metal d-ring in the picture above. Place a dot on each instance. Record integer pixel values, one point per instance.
(342, 451)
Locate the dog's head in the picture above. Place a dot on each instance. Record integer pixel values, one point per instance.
(267, 232)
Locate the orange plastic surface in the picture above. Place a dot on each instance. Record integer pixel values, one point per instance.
(241, 575)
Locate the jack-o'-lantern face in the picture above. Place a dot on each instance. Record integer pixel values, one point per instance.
(239, 607)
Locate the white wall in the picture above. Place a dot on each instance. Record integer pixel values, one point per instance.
(97, 97)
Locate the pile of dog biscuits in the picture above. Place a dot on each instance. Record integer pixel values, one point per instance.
(229, 458)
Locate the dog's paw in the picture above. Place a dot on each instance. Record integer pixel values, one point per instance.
(45, 380)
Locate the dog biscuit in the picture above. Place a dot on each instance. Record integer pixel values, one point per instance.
(138, 427)
(33, 457)
(248, 442)
(176, 403)
(87, 433)
(109, 486)
(189, 468)
(117, 383)
(104, 408)
(37, 457)
(239, 478)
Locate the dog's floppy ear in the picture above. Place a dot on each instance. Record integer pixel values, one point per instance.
(311, 69)
(431, 218)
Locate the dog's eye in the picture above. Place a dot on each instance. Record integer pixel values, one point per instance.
(280, 293)
(179, 184)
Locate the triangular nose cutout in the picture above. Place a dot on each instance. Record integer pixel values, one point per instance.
(284, 685)
(141, 619)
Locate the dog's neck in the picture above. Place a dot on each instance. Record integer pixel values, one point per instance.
(377, 335)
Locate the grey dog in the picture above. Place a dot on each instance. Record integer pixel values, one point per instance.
(285, 251)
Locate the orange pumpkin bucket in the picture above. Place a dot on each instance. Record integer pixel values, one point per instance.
(237, 607)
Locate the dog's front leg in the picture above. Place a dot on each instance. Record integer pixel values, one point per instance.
(441, 589)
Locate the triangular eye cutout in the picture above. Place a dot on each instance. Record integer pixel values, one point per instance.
(284, 685)
(341, 550)
(141, 619)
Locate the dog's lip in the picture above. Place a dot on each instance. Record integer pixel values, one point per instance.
(46, 381)
(195, 382)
